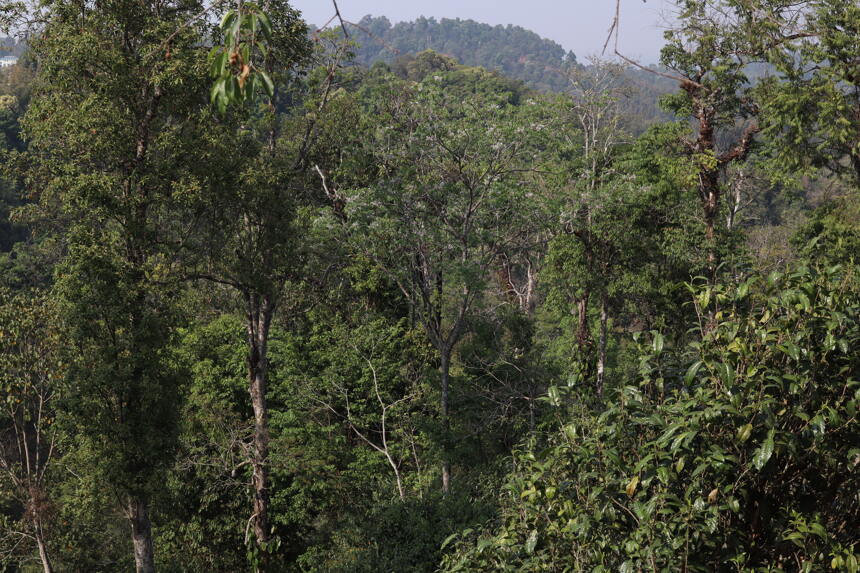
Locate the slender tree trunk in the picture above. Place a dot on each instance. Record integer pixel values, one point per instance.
(855, 162)
(601, 351)
(710, 190)
(260, 454)
(141, 536)
(735, 207)
(400, 491)
(530, 290)
(532, 424)
(444, 369)
(260, 312)
(709, 177)
(43, 550)
(583, 335)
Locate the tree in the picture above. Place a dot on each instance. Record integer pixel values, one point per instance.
(444, 205)
(708, 54)
(593, 112)
(115, 152)
(32, 384)
(254, 242)
(395, 454)
(811, 110)
(614, 254)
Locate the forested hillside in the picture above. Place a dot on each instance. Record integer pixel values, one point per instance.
(514, 52)
(264, 309)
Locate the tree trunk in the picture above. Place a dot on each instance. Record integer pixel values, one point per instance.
(735, 207)
(710, 193)
(709, 177)
(583, 334)
(260, 455)
(444, 369)
(260, 315)
(43, 550)
(601, 356)
(141, 536)
(532, 424)
(855, 162)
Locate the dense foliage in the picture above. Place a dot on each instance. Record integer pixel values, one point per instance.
(265, 308)
(735, 452)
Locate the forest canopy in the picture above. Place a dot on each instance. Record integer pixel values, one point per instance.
(274, 300)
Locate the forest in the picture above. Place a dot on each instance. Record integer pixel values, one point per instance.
(512, 51)
(268, 306)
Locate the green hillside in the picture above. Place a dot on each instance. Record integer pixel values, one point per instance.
(513, 51)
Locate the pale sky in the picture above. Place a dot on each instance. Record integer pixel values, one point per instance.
(578, 25)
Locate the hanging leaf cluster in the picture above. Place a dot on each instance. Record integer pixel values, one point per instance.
(238, 66)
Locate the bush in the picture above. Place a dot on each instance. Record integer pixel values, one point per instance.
(739, 452)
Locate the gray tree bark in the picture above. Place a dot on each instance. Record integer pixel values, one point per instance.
(444, 370)
(43, 550)
(601, 348)
(141, 536)
(259, 319)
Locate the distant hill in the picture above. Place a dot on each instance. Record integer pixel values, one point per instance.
(511, 50)
(514, 51)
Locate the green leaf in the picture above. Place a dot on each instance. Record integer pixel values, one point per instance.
(531, 542)
(744, 433)
(268, 84)
(219, 63)
(228, 19)
(232, 89)
(657, 344)
(684, 438)
(692, 371)
(265, 24)
(213, 93)
(764, 452)
(236, 27)
(734, 504)
(448, 540)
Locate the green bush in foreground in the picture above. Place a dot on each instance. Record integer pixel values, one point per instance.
(738, 453)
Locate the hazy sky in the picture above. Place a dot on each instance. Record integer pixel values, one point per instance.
(578, 25)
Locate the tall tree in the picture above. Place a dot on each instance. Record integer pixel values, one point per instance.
(594, 116)
(254, 241)
(115, 126)
(708, 53)
(446, 201)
